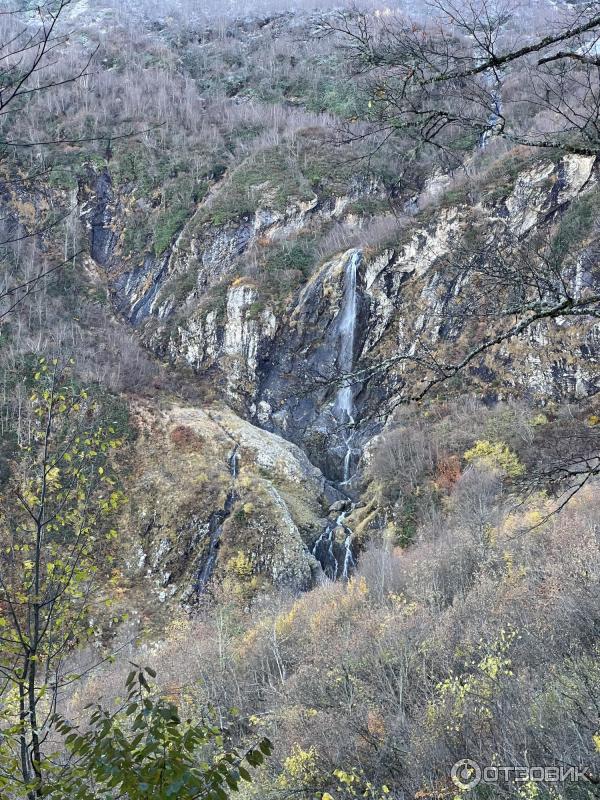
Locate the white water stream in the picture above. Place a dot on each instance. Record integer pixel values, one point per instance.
(343, 407)
(335, 556)
(335, 565)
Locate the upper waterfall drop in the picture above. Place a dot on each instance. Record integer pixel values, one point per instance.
(334, 548)
(343, 408)
(344, 401)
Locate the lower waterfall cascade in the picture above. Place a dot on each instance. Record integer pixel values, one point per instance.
(337, 559)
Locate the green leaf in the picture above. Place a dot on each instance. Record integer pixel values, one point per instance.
(245, 775)
(266, 747)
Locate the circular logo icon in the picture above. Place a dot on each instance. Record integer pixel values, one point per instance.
(466, 774)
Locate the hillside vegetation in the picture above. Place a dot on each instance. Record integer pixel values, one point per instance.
(299, 369)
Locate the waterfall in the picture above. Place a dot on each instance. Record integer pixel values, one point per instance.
(334, 553)
(331, 554)
(494, 121)
(348, 557)
(233, 462)
(344, 401)
(215, 525)
(214, 530)
(343, 408)
(324, 553)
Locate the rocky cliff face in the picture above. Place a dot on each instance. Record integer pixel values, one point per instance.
(213, 495)
(254, 256)
(277, 360)
(280, 360)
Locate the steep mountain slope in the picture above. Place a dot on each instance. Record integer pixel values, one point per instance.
(278, 359)
(262, 260)
(212, 494)
(333, 393)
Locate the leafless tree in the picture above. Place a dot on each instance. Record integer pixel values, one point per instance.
(450, 83)
(31, 43)
(494, 293)
(466, 73)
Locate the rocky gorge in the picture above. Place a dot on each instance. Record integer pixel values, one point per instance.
(300, 423)
(303, 367)
(304, 291)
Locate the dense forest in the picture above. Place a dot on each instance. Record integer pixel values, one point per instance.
(299, 432)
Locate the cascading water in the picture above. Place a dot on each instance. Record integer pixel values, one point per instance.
(215, 525)
(233, 461)
(494, 119)
(343, 407)
(333, 548)
(348, 555)
(336, 558)
(494, 122)
(324, 553)
(215, 529)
